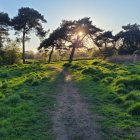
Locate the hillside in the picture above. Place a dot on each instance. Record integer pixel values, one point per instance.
(114, 94)
(101, 93)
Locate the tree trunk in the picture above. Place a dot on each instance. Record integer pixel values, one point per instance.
(72, 53)
(50, 56)
(23, 47)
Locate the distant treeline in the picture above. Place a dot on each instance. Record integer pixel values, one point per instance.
(71, 39)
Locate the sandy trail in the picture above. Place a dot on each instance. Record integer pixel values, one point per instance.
(72, 120)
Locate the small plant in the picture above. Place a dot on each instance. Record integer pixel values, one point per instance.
(134, 109)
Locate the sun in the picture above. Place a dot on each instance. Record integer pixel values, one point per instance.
(80, 33)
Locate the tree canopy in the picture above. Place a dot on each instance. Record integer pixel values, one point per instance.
(130, 37)
(4, 24)
(26, 21)
(71, 35)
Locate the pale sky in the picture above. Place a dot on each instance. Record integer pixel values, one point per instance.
(105, 14)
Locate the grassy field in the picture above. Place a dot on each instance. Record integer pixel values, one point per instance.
(27, 97)
(114, 95)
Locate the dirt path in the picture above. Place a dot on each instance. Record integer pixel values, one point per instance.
(72, 120)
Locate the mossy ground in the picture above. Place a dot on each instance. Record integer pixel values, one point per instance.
(114, 93)
(27, 97)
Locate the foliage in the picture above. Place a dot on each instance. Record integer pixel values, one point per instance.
(12, 53)
(67, 36)
(130, 37)
(4, 24)
(26, 21)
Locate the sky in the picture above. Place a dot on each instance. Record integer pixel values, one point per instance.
(105, 14)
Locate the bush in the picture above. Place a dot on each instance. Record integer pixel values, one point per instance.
(134, 109)
(12, 53)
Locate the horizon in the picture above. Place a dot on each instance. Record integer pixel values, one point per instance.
(107, 15)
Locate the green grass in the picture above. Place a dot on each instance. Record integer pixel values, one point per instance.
(27, 97)
(114, 93)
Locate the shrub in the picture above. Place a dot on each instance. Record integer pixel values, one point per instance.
(134, 109)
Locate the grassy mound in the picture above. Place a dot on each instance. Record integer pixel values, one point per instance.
(114, 93)
(26, 100)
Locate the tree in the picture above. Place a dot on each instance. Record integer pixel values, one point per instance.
(70, 35)
(129, 39)
(4, 24)
(106, 43)
(26, 21)
(53, 42)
